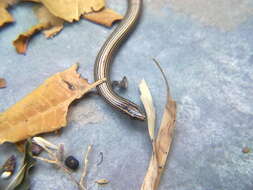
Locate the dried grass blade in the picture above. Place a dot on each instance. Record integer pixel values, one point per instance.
(162, 143)
(147, 101)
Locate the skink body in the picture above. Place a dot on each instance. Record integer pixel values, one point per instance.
(104, 60)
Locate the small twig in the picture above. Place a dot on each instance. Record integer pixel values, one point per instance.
(85, 163)
(67, 171)
(62, 167)
(45, 160)
(56, 159)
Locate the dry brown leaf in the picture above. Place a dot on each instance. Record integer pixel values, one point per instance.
(102, 181)
(162, 143)
(22, 40)
(2, 83)
(53, 25)
(5, 16)
(72, 10)
(48, 22)
(45, 109)
(104, 17)
(52, 15)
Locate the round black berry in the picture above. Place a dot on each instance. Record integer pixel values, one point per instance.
(72, 163)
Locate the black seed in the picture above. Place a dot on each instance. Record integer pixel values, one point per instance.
(72, 163)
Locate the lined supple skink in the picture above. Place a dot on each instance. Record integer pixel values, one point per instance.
(104, 60)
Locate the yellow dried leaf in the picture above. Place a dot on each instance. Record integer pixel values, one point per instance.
(48, 22)
(2, 83)
(51, 21)
(102, 181)
(5, 16)
(72, 10)
(45, 109)
(162, 143)
(22, 40)
(104, 17)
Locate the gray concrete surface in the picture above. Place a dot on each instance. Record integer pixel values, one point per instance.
(206, 50)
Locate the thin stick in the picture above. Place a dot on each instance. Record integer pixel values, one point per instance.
(163, 74)
(61, 166)
(85, 163)
(45, 160)
(56, 160)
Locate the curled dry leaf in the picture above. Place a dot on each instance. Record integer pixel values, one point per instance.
(22, 40)
(2, 83)
(5, 16)
(52, 25)
(104, 17)
(72, 10)
(45, 109)
(162, 143)
(48, 22)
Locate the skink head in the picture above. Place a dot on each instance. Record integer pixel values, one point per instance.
(135, 112)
